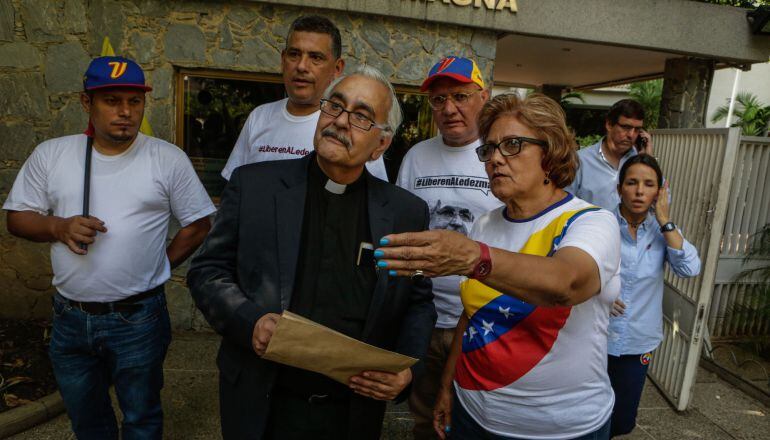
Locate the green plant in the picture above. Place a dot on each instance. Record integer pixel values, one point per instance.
(648, 94)
(750, 114)
(585, 141)
(754, 309)
(568, 98)
(749, 4)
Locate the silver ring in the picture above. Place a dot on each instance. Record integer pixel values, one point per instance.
(418, 275)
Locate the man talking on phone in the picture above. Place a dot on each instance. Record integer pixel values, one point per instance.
(596, 179)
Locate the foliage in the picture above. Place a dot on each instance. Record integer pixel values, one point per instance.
(750, 114)
(749, 4)
(648, 94)
(755, 307)
(585, 141)
(568, 98)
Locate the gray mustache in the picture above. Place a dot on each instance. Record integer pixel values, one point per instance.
(334, 134)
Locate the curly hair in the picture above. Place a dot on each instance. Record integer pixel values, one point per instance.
(546, 118)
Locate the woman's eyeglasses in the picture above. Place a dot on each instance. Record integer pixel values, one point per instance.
(510, 146)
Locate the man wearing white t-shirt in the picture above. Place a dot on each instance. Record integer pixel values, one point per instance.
(446, 173)
(284, 129)
(111, 324)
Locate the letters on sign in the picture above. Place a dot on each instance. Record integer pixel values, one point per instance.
(492, 5)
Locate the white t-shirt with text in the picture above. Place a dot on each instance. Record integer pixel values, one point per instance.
(453, 183)
(272, 133)
(134, 193)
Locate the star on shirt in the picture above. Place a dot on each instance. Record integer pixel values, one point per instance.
(488, 327)
(505, 311)
(471, 333)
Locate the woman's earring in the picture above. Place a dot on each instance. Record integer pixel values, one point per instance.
(547, 180)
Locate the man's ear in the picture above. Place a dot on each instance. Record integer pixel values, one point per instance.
(339, 67)
(85, 102)
(485, 95)
(381, 148)
(607, 125)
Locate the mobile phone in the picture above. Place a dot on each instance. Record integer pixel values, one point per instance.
(641, 143)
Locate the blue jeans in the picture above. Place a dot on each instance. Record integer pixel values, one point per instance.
(91, 352)
(465, 428)
(627, 374)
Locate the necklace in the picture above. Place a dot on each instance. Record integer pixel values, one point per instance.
(635, 225)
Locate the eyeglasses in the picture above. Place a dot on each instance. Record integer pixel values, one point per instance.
(626, 128)
(356, 119)
(508, 147)
(460, 99)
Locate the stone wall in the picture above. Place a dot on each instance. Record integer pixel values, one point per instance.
(45, 48)
(685, 97)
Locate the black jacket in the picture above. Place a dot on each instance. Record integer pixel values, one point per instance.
(246, 268)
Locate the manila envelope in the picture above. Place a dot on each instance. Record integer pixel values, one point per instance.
(302, 343)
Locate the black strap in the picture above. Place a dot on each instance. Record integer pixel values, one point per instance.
(87, 182)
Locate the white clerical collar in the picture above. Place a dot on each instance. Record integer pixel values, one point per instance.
(334, 187)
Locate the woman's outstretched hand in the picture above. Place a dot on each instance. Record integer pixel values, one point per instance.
(435, 253)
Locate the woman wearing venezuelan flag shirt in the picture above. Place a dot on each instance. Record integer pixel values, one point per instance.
(529, 359)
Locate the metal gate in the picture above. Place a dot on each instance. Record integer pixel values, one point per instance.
(734, 307)
(699, 164)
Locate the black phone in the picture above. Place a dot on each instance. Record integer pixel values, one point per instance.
(641, 143)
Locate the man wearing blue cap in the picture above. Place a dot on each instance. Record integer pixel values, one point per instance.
(111, 324)
(445, 172)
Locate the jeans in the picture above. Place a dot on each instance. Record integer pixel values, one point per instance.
(464, 427)
(627, 374)
(125, 349)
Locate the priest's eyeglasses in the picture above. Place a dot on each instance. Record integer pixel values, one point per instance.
(509, 146)
(357, 119)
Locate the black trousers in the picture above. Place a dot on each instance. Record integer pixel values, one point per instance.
(294, 417)
(627, 374)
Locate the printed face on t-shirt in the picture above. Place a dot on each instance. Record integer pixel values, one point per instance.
(308, 66)
(451, 217)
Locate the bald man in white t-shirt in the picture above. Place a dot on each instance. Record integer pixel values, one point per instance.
(284, 129)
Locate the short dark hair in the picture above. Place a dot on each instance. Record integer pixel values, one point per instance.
(319, 25)
(644, 159)
(625, 107)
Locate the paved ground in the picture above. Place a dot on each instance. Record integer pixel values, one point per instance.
(190, 398)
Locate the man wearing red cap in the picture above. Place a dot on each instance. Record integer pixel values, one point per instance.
(445, 172)
(111, 324)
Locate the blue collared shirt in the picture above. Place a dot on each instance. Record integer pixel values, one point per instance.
(596, 180)
(640, 329)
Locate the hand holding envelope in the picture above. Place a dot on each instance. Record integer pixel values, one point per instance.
(302, 343)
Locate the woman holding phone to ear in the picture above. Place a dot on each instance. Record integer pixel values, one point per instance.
(649, 239)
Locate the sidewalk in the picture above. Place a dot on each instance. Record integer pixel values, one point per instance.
(191, 403)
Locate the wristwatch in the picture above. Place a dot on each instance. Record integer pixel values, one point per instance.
(668, 227)
(484, 266)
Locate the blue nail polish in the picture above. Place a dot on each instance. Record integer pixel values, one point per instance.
(392, 273)
(378, 253)
(384, 242)
(382, 264)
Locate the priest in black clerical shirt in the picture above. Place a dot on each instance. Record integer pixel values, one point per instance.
(298, 235)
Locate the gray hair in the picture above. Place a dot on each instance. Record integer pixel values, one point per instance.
(395, 116)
